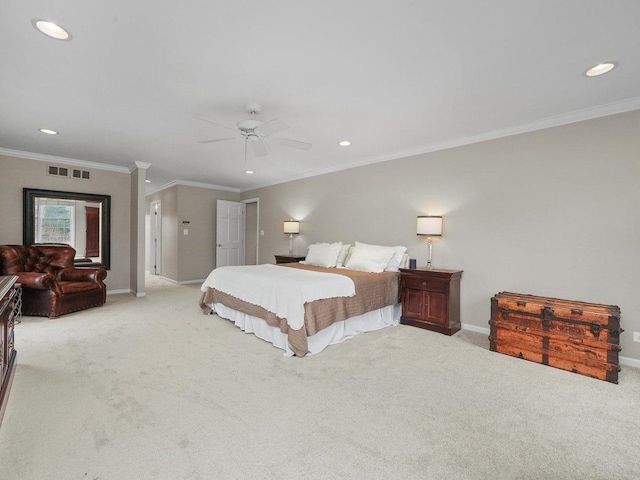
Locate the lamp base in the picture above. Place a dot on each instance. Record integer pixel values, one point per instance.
(430, 247)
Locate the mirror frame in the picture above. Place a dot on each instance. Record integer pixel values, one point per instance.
(28, 227)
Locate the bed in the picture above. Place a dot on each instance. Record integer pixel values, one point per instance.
(284, 305)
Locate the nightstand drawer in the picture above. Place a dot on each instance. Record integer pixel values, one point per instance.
(425, 284)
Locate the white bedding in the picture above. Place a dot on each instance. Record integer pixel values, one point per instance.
(279, 290)
(335, 333)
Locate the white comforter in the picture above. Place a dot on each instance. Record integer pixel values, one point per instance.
(277, 289)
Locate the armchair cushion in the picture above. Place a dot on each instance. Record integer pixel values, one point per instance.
(51, 284)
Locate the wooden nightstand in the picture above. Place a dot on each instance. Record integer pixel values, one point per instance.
(289, 258)
(431, 299)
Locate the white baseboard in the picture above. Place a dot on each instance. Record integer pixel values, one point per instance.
(143, 294)
(126, 290)
(627, 361)
(473, 328)
(183, 282)
(117, 292)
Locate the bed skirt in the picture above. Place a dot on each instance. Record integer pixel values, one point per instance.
(335, 333)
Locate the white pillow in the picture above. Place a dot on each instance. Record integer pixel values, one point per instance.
(342, 256)
(396, 259)
(369, 259)
(323, 254)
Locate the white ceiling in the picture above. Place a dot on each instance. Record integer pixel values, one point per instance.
(394, 77)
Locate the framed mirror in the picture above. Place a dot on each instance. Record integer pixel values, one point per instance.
(82, 220)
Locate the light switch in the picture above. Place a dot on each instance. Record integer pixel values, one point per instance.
(262, 233)
(186, 231)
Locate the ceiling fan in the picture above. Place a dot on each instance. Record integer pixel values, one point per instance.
(255, 132)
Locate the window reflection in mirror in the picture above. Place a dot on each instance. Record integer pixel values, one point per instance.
(77, 219)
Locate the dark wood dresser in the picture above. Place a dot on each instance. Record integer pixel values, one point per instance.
(431, 299)
(289, 258)
(8, 312)
(576, 336)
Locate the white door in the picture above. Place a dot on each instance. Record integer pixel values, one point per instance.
(230, 233)
(155, 235)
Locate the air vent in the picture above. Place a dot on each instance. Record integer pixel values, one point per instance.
(83, 174)
(58, 171)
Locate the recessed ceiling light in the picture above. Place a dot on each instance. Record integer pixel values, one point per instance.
(600, 69)
(344, 143)
(48, 131)
(51, 29)
(250, 172)
(148, 181)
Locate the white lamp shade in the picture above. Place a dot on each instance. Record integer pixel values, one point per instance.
(429, 225)
(291, 226)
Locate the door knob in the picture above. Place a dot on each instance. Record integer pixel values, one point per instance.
(220, 245)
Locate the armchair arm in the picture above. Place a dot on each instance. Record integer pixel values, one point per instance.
(95, 275)
(37, 281)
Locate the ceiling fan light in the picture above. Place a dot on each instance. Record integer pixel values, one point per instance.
(600, 69)
(248, 124)
(50, 29)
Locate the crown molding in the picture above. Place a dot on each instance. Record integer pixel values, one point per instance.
(549, 122)
(41, 157)
(188, 183)
(138, 166)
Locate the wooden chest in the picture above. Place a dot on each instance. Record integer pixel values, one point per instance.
(576, 336)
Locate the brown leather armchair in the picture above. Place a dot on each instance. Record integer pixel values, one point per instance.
(51, 285)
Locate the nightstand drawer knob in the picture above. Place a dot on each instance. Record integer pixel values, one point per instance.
(424, 283)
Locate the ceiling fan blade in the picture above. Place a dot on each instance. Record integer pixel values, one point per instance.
(287, 142)
(272, 126)
(258, 148)
(217, 140)
(218, 124)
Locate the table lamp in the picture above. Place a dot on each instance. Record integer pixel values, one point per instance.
(291, 227)
(431, 226)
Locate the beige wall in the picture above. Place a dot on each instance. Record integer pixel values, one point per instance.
(19, 173)
(552, 213)
(189, 257)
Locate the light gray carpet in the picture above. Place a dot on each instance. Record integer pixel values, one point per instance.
(150, 388)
